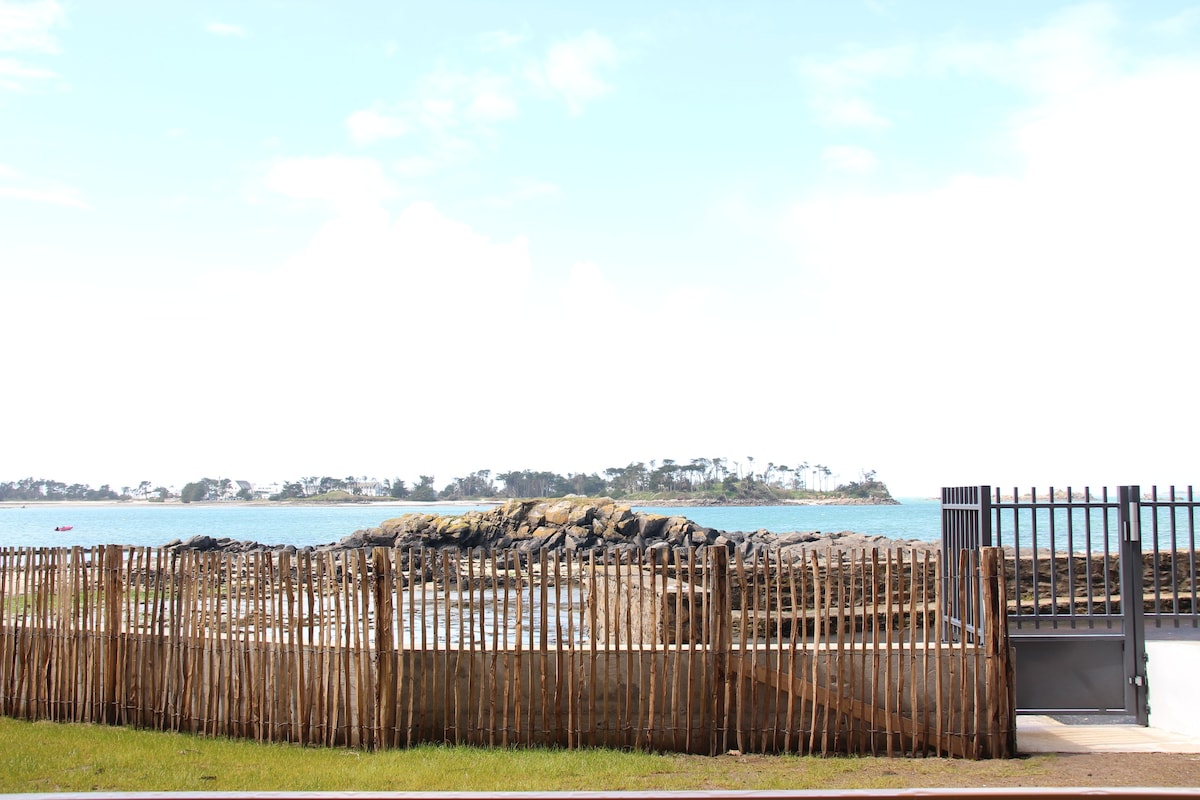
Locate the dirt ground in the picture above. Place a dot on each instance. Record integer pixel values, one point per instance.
(1056, 769)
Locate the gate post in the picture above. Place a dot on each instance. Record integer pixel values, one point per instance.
(1000, 683)
(385, 649)
(1133, 607)
(112, 559)
(719, 641)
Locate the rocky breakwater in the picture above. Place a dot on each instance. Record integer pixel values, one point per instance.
(582, 524)
(572, 524)
(533, 525)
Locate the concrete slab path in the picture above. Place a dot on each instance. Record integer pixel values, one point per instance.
(1039, 734)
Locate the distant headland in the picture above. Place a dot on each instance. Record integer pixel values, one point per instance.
(699, 482)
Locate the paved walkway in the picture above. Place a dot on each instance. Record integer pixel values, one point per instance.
(1037, 734)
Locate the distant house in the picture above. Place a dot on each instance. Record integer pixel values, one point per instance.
(368, 488)
(263, 491)
(235, 488)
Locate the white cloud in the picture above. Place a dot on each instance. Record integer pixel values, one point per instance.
(1022, 293)
(418, 253)
(225, 29)
(25, 27)
(849, 158)
(501, 40)
(572, 69)
(57, 197)
(14, 75)
(416, 166)
(448, 98)
(385, 328)
(1069, 52)
(347, 184)
(524, 189)
(451, 116)
(586, 282)
(18, 186)
(836, 86)
(433, 297)
(489, 105)
(850, 112)
(370, 125)
(450, 110)
(1179, 24)
(858, 66)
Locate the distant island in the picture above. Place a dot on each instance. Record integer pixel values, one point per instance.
(699, 482)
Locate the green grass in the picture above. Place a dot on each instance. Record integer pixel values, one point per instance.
(53, 757)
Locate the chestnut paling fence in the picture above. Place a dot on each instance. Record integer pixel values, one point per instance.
(699, 651)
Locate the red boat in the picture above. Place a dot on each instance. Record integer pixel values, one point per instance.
(64, 527)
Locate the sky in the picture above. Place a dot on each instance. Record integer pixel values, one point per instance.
(954, 243)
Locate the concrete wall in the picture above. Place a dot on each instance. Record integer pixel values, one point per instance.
(1171, 670)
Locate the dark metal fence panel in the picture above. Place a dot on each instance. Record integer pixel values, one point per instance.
(1088, 573)
(966, 526)
(1064, 559)
(1168, 531)
(1074, 556)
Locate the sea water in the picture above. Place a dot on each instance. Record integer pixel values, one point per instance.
(152, 525)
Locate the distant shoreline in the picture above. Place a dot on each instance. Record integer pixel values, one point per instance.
(389, 503)
(418, 504)
(702, 503)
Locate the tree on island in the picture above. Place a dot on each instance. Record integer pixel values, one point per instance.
(866, 486)
(199, 491)
(423, 491)
(45, 489)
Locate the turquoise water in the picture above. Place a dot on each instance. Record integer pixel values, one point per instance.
(912, 519)
(153, 525)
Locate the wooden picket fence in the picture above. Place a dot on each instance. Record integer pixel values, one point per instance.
(692, 652)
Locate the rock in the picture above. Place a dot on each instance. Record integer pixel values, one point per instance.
(651, 526)
(579, 532)
(576, 524)
(558, 514)
(201, 543)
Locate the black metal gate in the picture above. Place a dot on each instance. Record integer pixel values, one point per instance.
(1078, 603)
